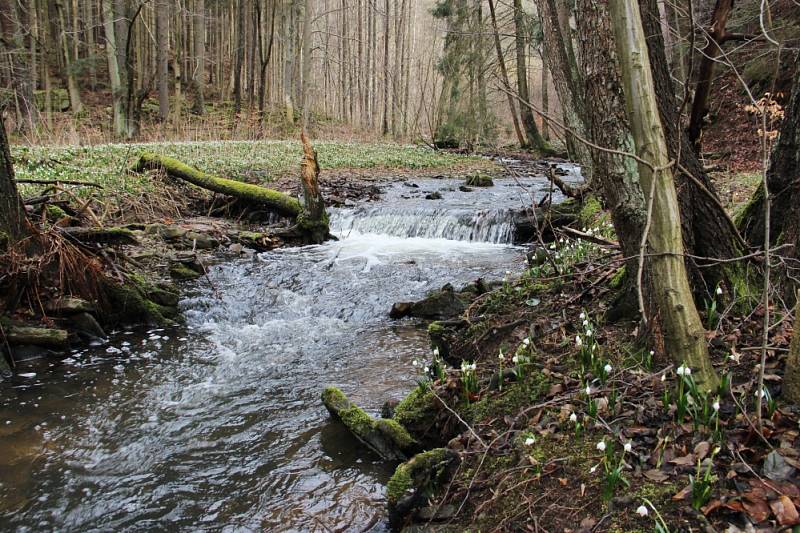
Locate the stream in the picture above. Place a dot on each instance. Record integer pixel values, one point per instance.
(217, 424)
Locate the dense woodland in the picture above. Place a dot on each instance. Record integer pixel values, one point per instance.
(650, 97)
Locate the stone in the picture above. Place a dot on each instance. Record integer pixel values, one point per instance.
(464, 188)
(86, 325)
(401, 310)
(479, 180)
(171, 233)
(69, 305)
(46, 337)
(181, 271)
(161, 296)
(433, 196)
(200, 241)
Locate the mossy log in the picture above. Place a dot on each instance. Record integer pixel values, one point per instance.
(414, 480)
(46, 337)
(385, 437)
(281, 203)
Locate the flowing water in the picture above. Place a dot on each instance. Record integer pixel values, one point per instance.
(217, 424)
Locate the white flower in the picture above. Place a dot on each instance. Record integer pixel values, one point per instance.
(588, 390)
(760, 393)
(663, 378)
(515, 359)
(526, 341)
(585, 323)
(573, 417)
(684, 370)
(501, 356)
(719, 291)
(436, 352)
(583, 316)
(628, 447)
(529, 441)
(508, 272)
(642, 511)
(578, 341)
(426, 369)
(607, 368)
(415, 362)
(593, 469)
(715, 405)
(588, 333)
(652, 353)
(601, 446)
(474, 366)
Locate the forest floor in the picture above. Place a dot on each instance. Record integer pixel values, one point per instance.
(567, 422)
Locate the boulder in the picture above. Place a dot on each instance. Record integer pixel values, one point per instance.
(200, 241)
(86, 325)
(69, 305)
(479, 180)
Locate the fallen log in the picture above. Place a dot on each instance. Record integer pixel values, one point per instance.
(385, 437)
(312, 220)
(279, 202)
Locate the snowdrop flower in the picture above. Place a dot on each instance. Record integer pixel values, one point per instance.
(628, 447)
(607, 368)
(427, 369)
(715, 405)
(601, 446)
(684, 370)
(578, 341)
(593, 469)
(573, 417)
(583, 316)
(436, 352)
(515, 359)
(415, 362)
(553, 246)
(652, 353)
(719, 291)
(585, 323)
(526, 341)
(529, 441)
(642, 511)
(588, 333)
(501, 356)
(508, 272)
(588, 390)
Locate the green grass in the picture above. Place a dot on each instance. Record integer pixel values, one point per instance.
(107, 165)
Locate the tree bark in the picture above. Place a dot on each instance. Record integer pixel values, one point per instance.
(717, 35)
(684, 335)
(13, 221)
(504, 76)
(535, 139)
(237, 76)
(20, 59)
(199, 70)
(162, 58)
(75, 103)
(791, 377)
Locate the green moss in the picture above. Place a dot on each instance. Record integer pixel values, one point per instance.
(618, 279)
(54, 213)
(590, 210)
(355, 418)
(436, 328)
(479, 180)
(514, 398)
(129, 303)
(419, 405)
(421, 470)
(395, 432)
(399, 484)
(180, 271)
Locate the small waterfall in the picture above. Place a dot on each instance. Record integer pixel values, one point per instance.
(486, 225)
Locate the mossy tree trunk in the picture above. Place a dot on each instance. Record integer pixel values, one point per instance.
(684, 335)
(783, 179)
(791, 378)
(707, 229)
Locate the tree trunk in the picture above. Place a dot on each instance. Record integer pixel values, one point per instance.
(535, 139)
(791, 377)
(13, 221)
(120, 119)
(504, 76)
(708, 58)
(308, 14)
(162, 58)
(783, 180)
(199, 67)
(385, 129)
(684, 335)
(237, 76)
(75, 103)
(20, 57)
(708, 231)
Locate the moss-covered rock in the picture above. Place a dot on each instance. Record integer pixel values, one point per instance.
(479, 180)
(181, 272)
(46, 337)
(54, 213)
(129, 303)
